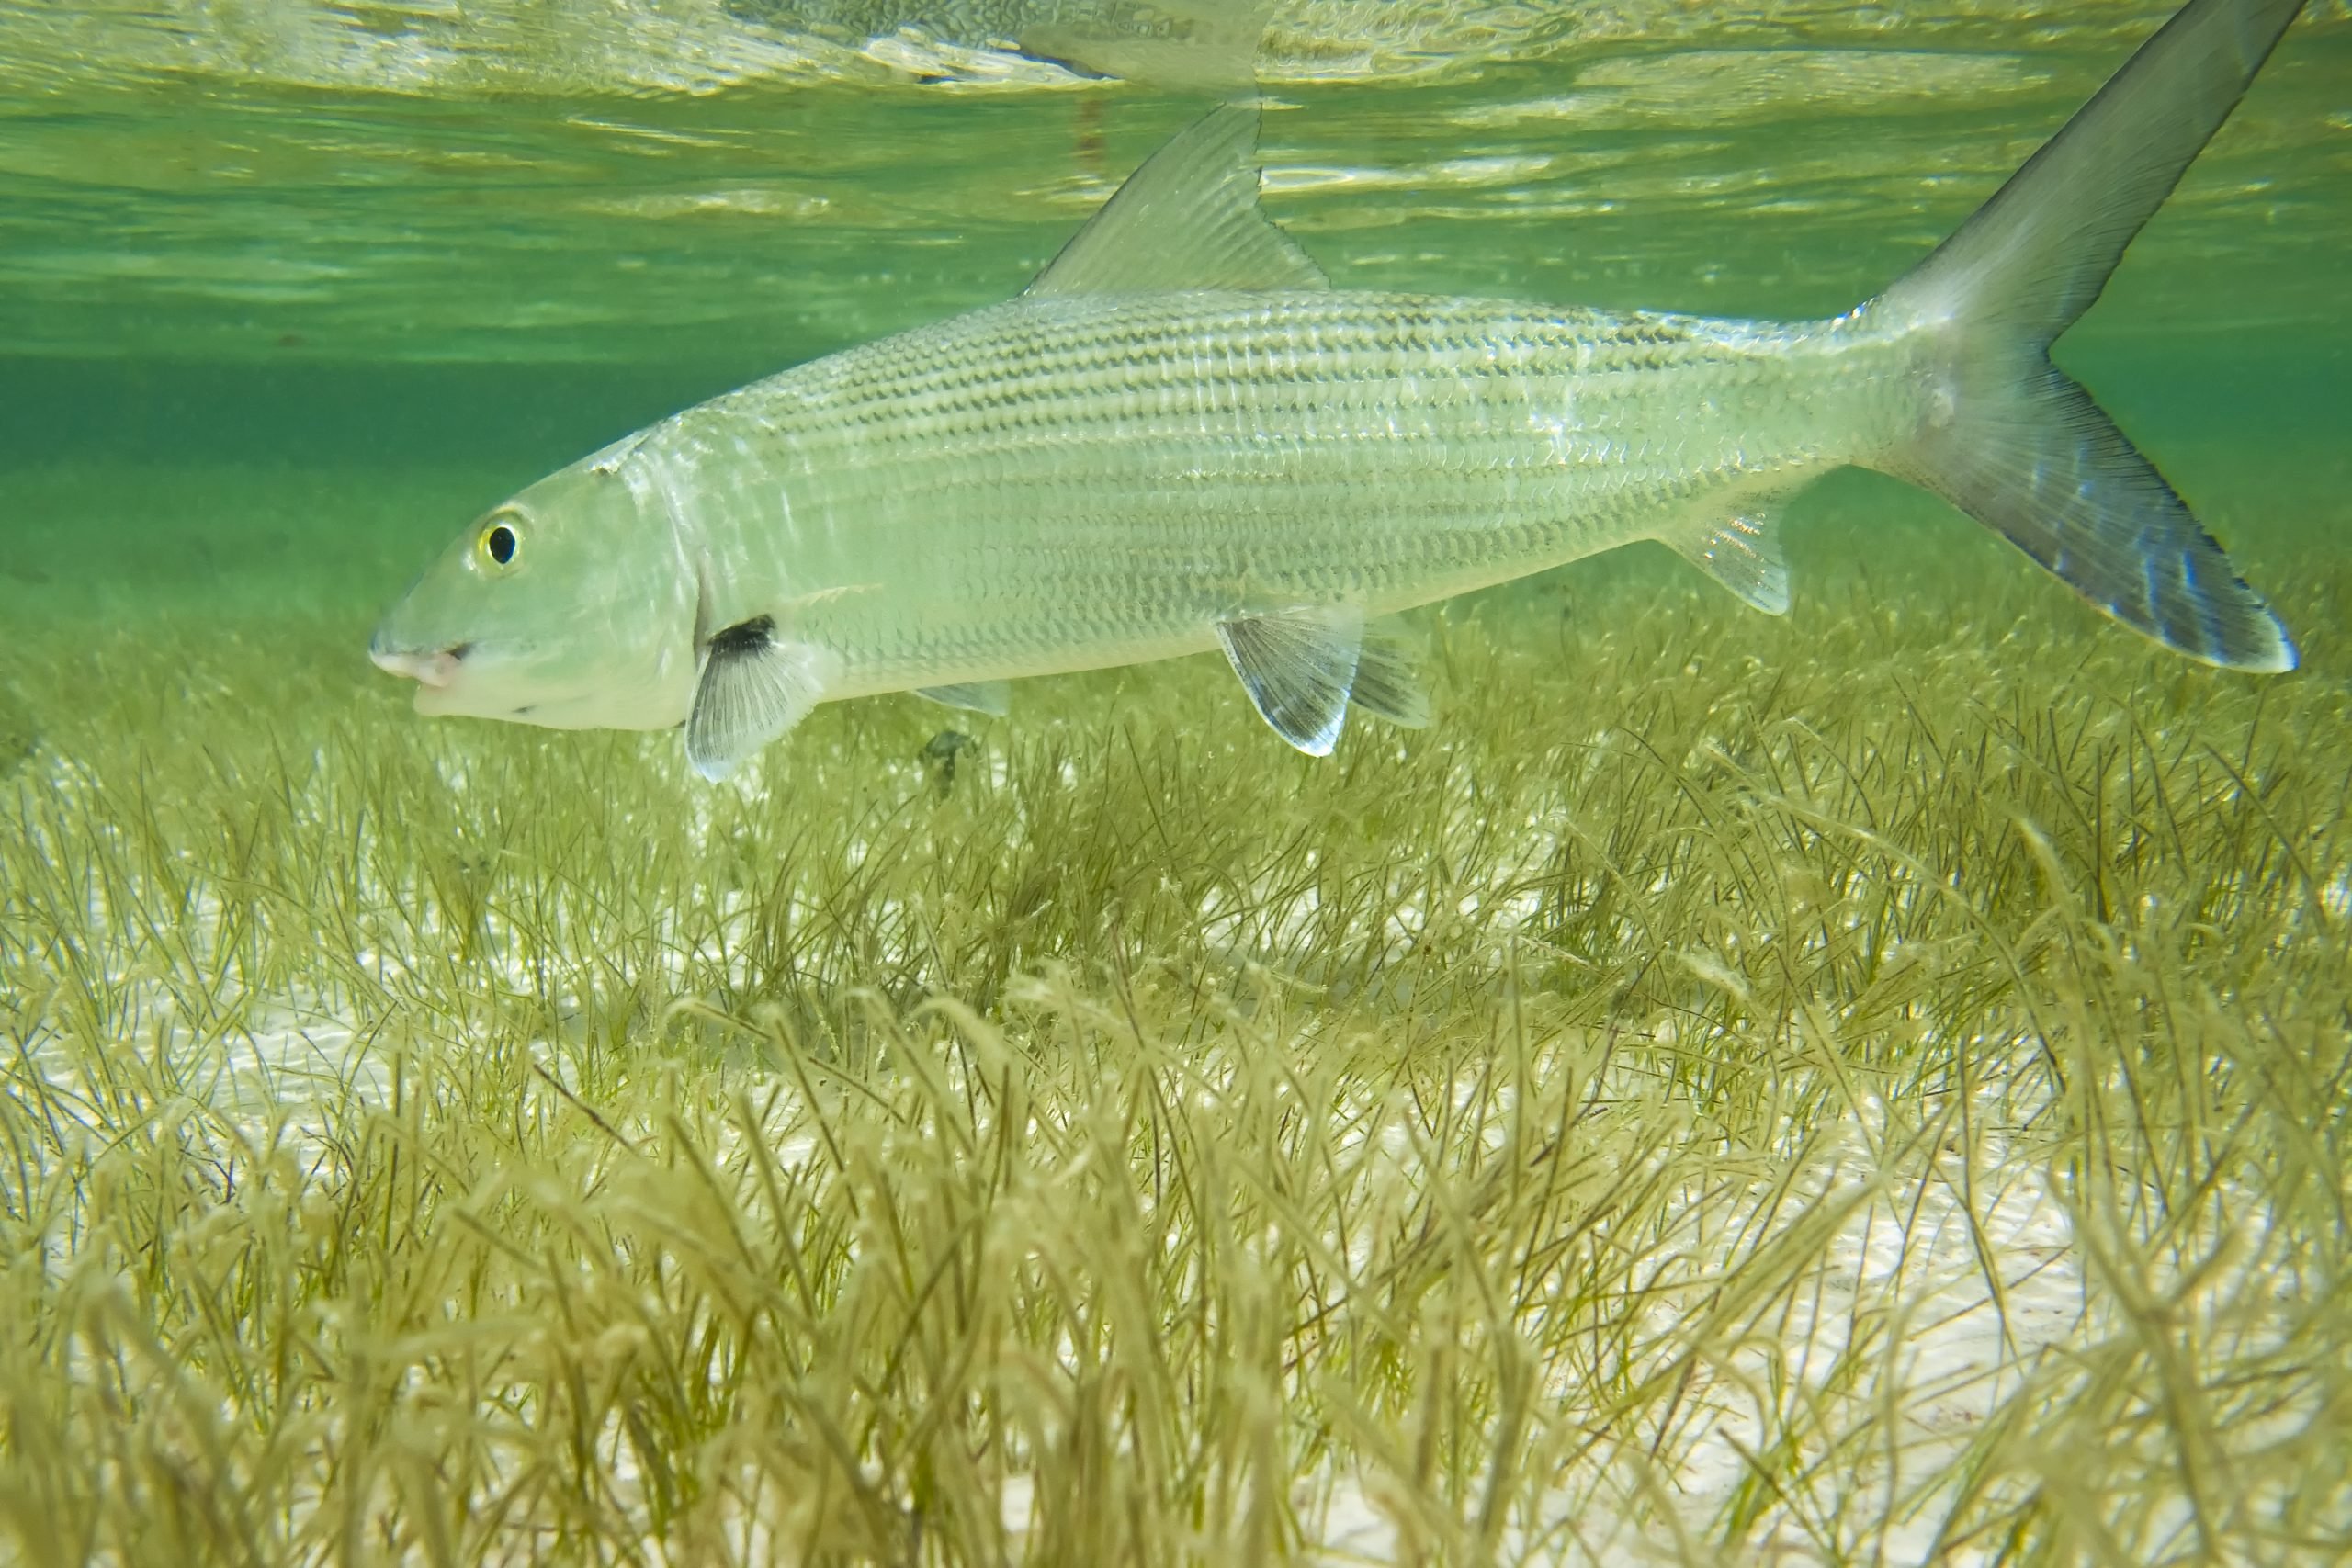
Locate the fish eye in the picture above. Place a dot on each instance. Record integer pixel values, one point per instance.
(500, 542)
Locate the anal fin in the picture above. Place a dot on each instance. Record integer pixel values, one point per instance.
(1298, 665)
(991, 698)
(1741, 551)
(754, 688)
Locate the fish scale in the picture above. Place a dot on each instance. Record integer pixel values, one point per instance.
(1182, 458)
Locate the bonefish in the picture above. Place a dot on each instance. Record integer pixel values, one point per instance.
(1181, 437)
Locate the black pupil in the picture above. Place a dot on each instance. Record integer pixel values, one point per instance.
(502, 543)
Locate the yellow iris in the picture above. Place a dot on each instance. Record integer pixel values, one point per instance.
(499, 543)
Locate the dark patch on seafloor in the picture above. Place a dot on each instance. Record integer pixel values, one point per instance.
(18, 737)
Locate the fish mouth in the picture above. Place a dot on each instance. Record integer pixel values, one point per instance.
(434, 669)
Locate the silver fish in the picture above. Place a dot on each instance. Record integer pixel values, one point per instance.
(1182, 437)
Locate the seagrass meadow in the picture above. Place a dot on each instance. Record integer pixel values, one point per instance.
(1868, 1086)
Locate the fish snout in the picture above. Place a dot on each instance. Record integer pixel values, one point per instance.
(434, 669)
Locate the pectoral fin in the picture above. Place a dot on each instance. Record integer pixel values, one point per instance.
(1742, 552)
(754, 689)
(1298, 665)
(991, 698)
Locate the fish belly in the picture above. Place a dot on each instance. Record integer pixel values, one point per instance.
(1064, 484)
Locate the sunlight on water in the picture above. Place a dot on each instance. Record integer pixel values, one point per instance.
(224, 184)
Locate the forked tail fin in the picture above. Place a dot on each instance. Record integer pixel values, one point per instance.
(2019, 445)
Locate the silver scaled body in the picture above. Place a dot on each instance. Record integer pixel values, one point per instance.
(1057, 484)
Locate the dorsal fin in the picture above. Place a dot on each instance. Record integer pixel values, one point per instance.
(1188, 219)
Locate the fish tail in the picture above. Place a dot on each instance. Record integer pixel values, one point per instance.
(2019, 445)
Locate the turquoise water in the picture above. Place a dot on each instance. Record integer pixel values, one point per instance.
(290, 291)
(285, 296)
(1744, 160)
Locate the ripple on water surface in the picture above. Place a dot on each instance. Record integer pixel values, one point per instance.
(626, 182)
